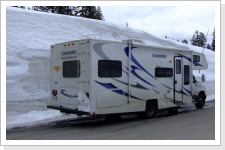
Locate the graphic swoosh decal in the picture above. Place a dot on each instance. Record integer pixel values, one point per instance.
(126, 50)
(166, 86)
(116, 90)
(139, 77)
(68, 95)
(107, 85)
(138, 86)
(98, 49)
(188, 91)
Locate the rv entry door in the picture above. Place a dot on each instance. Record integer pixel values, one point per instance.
(178, 79)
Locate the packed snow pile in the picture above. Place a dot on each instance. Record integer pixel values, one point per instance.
(29, 35)
(83, 102)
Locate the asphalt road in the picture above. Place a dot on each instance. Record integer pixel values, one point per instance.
(189, 124)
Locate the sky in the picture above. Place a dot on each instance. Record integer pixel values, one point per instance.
(176, 22)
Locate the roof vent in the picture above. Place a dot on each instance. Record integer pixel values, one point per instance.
(134, 41)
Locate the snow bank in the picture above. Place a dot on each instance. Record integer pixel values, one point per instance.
(29, 35)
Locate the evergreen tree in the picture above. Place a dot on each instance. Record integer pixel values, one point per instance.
(202, 40)
(213, 41)
(127, 24)
(82, 11)
(198, 39)
(208, 46)
(41, 8)
(193, 40)
(23, 7)
(185, 41)
(99, 14)
(89, 12)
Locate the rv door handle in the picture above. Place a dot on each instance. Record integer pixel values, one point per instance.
(175, 81)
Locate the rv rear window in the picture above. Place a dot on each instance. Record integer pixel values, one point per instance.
(71, 69)
(109, 68)
(163, 72)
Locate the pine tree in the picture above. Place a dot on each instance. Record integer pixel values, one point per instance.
(23, 7)
(202, 40)
(127, 24)
(92, 12)
(185, 41)
(198, 39)
(194, 38)
(208, 46)
(99, 14)
(89, 12)
(213, 41)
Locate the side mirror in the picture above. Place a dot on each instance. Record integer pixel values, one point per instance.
(203, 78)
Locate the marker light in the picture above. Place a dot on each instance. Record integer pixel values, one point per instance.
(54, 92)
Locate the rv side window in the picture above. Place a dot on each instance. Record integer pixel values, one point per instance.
(196, 58)
(186, 75)
(163, 72)
(71, 69)
(109, 68)
(178, 66)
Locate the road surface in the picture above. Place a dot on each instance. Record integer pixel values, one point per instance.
(189, 124)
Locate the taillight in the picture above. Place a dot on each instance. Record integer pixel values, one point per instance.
(54, 92)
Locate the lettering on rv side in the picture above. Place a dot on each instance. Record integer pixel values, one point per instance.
(68, 52)
(159, 55)
(65, 57)
(68, 57)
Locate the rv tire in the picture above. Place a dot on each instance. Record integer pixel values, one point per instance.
(201, 101)
(150, 109)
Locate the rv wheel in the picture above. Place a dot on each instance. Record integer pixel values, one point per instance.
(201, 101)
(150, 110)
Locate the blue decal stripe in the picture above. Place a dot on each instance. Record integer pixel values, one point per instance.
(139, 77)
(188, 91)
(68, 95)
(107, 85)
(197, 64)
(126, 50)
(110, 85)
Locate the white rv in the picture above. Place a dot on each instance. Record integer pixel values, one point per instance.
(99, 77)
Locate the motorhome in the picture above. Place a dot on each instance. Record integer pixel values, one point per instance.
(100, 77)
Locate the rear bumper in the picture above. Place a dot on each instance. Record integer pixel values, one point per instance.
(70, 111)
